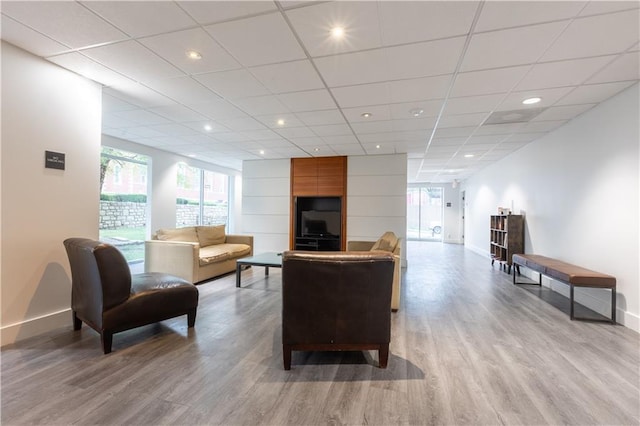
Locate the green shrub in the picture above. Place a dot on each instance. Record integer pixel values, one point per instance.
(130, 198)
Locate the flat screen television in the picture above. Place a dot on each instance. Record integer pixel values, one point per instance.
(320, 223)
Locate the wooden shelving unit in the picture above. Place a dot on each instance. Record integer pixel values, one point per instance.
(506, 239)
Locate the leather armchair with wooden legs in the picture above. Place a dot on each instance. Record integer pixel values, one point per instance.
(109, 299)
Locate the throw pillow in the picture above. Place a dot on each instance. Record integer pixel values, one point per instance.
(186, 234)
(387, 242)
(210, 235)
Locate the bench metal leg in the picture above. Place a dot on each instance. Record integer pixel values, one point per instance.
(612, 320)
(571, 301)
(613, 306)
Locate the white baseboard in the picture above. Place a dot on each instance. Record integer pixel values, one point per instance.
(34, 326)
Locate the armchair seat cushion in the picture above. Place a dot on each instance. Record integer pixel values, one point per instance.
(218, 252)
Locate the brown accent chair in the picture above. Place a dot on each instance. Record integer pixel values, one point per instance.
(109, 299)
(336, 301)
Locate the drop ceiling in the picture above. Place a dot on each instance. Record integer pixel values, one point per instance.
(442, 81)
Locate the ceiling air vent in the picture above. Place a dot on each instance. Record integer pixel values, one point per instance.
(513, 116)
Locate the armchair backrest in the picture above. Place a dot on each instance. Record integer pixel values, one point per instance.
(100, 278)
(336, 297)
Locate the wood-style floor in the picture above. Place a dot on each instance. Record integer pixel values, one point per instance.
(467, 347)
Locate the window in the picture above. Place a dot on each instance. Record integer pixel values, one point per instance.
(203, 197)
(424, 213)
(123, 201)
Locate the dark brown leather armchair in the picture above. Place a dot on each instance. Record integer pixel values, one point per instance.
(336, 301)
(109, 299)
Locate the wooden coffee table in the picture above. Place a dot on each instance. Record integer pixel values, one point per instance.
(268, 260)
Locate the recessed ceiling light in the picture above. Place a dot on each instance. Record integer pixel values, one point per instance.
(262, 152)
(316, 149)
(416, 112)
(337, 32)
(366, 114)
(469, 156)
(377, 146)
(281, 122)
(208, 127)
(191, 155)
(192, 54)
(531, 101)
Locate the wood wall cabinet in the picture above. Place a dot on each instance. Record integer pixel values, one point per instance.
(506, 239)
(319, 177)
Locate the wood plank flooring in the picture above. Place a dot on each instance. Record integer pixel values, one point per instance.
(467, 347)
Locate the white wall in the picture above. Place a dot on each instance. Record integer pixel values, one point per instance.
(265, 203)
(578, 189)
(376, 199)
(163, 183)
(44, 108)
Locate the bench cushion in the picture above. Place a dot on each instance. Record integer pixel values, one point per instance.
(564, 271)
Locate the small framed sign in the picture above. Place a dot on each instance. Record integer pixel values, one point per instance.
(54, 160)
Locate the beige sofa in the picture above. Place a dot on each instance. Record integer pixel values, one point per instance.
(195, 253)
(388, 242)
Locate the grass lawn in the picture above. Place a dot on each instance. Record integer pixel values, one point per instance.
(138, 234)
(132, 241)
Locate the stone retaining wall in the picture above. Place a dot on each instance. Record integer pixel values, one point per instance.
(120, 214)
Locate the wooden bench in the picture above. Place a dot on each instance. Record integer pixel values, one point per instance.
(574, 276)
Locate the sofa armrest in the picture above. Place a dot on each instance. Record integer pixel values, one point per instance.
(240, 239)
(360, 245)
(172, 257)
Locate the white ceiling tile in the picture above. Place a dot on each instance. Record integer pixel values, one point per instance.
(230, 137)
(111, 121)
(523, 137)
(472, 104)
(259, 135)
(137, 94)
(462, 120)
(348, 149)
(448, 141)
(288, 77)
(549, 97)
(185, 90)
(89, 68)
(174, 47)
(233, 84)
(217, 109)
(426, 20)
(133, 60)
(599, 7)
(175, 130)
(316, 118)
(490, 140)
(113, 104)
(378, 112)
(562, 73)
(144, 132)
(331, 130)
(354, 68)
(208, 12)
(276, 42)
(454, 132)
(485, 82)
(273, 120)
(311, 100)
(242, 124)
(416, 89)
(261, 105)
(133, 17)
(142, 117)
(416, 60)
(562, 112)
(584, 36)
(178, 113)
(425, 124)
(296, 132)
(307, 141)
(498, 129)
(340, 140)
(505, 14)
(541, 126)
(372, 127)
(66, 22)
(212, 127)
(379, 149)
(593, 93)
(406, 110)
(510, 47)
(26, 38)
(625, 67)
(314, 23)
(362, 94)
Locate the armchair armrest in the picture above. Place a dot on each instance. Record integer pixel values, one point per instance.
(172, 257)
(240, 239)
(360, 245)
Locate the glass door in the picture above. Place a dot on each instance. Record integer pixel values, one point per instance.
(424, 213)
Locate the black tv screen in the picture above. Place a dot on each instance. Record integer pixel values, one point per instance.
(320, 223)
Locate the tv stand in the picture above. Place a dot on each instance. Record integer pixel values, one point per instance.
(317, 243)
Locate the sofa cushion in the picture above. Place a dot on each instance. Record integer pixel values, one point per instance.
(186, 234)
(387, 242)
(219, 252)
(210, 235)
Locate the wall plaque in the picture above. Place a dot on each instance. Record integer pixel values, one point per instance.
(54, 160)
